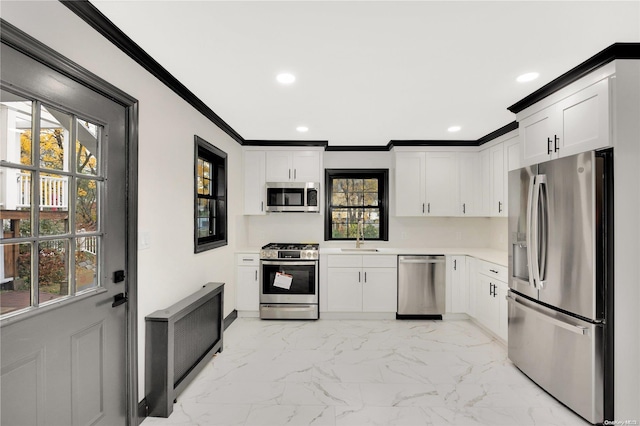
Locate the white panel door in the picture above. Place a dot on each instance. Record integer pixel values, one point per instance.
(470, 203)
(498, 178)
(410, 181)
(585, 120)
(536, 136)
(380, 290)
(306, 166)
(344, 289)
(459, 285)
(254, 182)
(248, 289)
(279, 167)
(441, 182)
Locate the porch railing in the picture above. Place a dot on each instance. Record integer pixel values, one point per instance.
(53, 192)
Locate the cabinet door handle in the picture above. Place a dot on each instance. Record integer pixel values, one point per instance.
(295, 173)
(428, 207)
(256, 275)
(455, 261)
(499, 207)
(365, 277)
(490, 286)
(556, 146)
(549, 146)
(359, 277)
(289, 173)
(493, 270)
(422, 208)
(464, 208)
(261, 206)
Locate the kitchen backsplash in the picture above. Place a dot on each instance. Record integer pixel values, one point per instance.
(403, 231)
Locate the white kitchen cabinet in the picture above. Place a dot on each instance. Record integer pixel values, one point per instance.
(503, 311)
(254, 182)
(427, 184)
(293, 166)
(248, 282)
(495, 164)
(575, 124)
(457, 280)
(498, 181)
(490, 288)
(361, 283)
(470, 202)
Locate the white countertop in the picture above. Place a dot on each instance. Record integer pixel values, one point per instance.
(499, 257)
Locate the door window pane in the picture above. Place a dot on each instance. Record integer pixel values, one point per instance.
(88, 148)
(86, 263)
(86, 205)
(54, 139)
(54, 204)
(53, 269)
(15, 277)
(15, 199)
(15, 120)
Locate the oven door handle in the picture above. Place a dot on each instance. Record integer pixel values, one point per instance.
(289, 262)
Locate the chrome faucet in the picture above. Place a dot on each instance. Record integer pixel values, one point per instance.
(360, 234)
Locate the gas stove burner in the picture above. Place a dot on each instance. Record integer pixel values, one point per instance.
(290, 251)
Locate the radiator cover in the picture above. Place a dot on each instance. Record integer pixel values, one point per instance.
(180, 340)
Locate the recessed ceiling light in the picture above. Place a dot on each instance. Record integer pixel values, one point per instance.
(527, 77)
(286, 78)
(454, 129)
(302, 129)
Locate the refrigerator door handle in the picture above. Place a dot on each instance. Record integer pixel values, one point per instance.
(529, 235)
(577, 329)
(542, 223)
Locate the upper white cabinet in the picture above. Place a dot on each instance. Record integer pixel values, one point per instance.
(576, 123)
(470, 201)
(254, 182)
(293, 166)
(427, 184)
(495, 164)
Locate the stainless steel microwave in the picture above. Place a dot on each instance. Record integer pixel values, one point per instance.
(293, 197)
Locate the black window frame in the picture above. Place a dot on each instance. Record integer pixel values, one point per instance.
(383, 199)
(218, 218)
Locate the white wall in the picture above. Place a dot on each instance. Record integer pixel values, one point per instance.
(168, 270)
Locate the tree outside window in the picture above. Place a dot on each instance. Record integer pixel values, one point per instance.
(353, 196)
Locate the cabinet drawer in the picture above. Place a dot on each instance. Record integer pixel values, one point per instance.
(247, 259)
(492, 270)
(344, 261)
(379, 261)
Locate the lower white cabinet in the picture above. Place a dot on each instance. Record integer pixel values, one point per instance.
(458, 283)
(362, 283)
(490, 292)
(248, 282)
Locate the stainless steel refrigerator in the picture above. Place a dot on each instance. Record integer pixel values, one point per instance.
(561, 279)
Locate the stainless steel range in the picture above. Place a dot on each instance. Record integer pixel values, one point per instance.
(289, 281)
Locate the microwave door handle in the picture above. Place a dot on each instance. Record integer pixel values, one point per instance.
(529, 235)
(544, 229)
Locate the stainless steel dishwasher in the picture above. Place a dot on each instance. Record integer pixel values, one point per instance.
(421, 287)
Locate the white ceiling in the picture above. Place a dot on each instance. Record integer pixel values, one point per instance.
(369, 71)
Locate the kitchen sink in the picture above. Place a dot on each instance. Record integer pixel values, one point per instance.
(359, 249)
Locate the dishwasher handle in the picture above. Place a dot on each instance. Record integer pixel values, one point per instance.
(420, 259)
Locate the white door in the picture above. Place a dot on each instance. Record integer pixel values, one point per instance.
(306, 166)
(410, 184)
(63, 344)
(442, 191)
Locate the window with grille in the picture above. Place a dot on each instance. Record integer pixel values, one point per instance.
(210, 196)
(356, 195)
(51, 184)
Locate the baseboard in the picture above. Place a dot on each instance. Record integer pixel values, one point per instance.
(142, 410)
(230, 319)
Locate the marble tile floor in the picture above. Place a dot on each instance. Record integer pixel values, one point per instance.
(363, 372)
